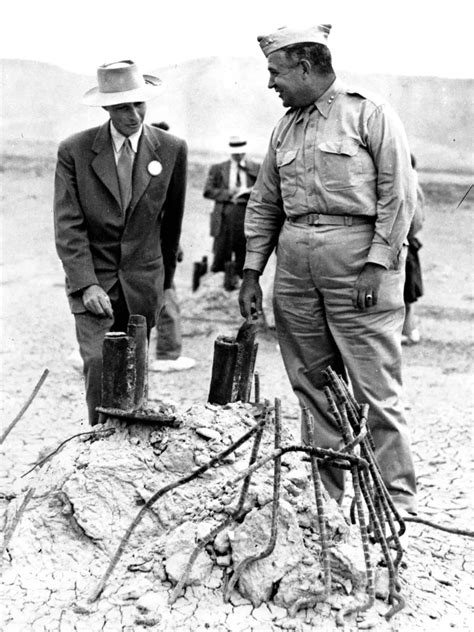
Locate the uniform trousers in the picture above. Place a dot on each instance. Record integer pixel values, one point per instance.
(317, 327)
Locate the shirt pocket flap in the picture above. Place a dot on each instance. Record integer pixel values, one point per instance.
(346, 146)
(285, 157)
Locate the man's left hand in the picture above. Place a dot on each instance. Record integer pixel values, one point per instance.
(250, 295)
(241, 195)
(366, 289)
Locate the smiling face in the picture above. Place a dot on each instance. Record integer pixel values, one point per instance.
(286, 78)
(127, 117)
(298, 83)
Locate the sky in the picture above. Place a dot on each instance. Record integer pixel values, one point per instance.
(408, 37)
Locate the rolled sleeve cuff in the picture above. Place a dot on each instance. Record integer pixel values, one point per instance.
(255, 261)
(382, 255)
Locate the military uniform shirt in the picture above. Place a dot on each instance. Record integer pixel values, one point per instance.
(345, 155)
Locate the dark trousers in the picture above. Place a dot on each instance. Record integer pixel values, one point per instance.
(229, 244)
(169, 338)
(90, 333)
(413, 288)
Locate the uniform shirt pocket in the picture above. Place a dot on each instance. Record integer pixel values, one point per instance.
(286, 164)
(341, 166)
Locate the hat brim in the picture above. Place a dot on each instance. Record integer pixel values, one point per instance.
(147, 92)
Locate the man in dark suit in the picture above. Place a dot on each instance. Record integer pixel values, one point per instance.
(118, 209)
(229, 183)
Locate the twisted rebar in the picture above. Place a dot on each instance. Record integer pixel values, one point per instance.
(235, 516)
(318, 494)
(275, 510)
(340, 414)
(25, 406)
(164, 490)
(368, 484)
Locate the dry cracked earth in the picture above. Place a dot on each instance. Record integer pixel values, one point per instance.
(38, 333)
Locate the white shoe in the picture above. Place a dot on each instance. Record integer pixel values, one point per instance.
(166, 366)
(76, 360)
(412, 338)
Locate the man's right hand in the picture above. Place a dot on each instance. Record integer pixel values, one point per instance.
(95, 300)
(250, 296)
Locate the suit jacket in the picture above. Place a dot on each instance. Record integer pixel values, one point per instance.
(217, 188)
(100, 244)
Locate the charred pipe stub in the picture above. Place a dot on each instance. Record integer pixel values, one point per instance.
(125, 390)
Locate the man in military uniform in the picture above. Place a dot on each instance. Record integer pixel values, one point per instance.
(335, 194)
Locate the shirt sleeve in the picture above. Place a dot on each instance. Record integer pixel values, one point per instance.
(264, 215)
(396, 187)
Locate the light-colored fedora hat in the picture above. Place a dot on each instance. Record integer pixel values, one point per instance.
(121, 82)
(238, 144)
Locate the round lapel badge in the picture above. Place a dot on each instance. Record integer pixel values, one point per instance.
(155, 168)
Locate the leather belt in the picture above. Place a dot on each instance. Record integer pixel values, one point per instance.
(321, 219)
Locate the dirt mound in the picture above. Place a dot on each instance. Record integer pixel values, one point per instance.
(87, 495)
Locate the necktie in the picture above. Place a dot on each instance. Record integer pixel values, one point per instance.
(238, 181)
(124, 171)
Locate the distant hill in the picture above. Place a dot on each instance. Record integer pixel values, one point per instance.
(206, 100)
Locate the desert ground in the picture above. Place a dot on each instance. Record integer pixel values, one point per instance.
(38, 333)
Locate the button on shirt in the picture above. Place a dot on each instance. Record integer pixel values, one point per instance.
(346, 154)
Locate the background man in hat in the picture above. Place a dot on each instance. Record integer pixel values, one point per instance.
(118, 208)
(336, 193)
(229, 183)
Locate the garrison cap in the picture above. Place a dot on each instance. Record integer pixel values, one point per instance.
(286, 36)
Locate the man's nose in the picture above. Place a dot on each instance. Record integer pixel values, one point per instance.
(271, 83)
(133, 112)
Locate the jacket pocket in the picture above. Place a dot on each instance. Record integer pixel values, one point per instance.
(341, 166)
(286, 164)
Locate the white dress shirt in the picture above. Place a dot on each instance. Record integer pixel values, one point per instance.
(118, 140)
(233, 175)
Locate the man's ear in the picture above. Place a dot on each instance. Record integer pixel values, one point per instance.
(306, 65)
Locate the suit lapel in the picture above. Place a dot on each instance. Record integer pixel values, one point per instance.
(141, 176)
(104, 162)
(226, 174)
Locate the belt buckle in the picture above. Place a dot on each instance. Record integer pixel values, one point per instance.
(313, 219)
